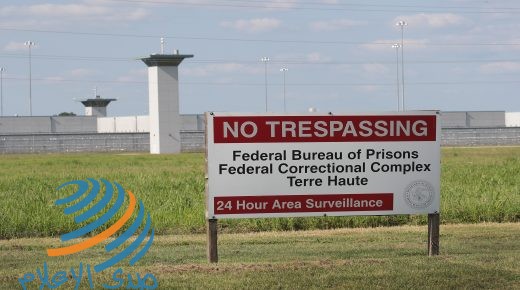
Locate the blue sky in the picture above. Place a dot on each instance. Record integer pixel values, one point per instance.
(458, 55)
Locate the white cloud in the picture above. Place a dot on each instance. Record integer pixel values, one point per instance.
(252, 25)
(335, 24)
(220, 68)
(368, 88)
(433, 20)
(54, 79)
(316, 57)
(271, 4)
(130, 15)
(296, 57)
(59, 14)
(81, 72)
(375, 68)
(280, 4)
(500, 67)
(135, 75)
(386, 44)
(15, 46)
(54, 10)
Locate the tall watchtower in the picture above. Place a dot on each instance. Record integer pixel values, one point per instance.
(96, 106)
(163, 97)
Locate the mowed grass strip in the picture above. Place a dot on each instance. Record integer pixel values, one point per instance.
(477, 184)
(476, 256)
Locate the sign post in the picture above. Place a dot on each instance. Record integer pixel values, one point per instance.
(212, 240)
(270, 165)
(433, 234)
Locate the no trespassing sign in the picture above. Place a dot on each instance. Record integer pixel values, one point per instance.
(266, 165)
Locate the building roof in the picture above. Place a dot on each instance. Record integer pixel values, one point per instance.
(165, 59)
(97, 102)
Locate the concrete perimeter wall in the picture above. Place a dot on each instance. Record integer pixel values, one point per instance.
(34, 125)
(66, 143)
(513, 119)
(131, 124)
(191, 141)
(194, 141)
(504, 136)
(473, 119)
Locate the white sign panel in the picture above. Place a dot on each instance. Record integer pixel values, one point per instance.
(317, 165)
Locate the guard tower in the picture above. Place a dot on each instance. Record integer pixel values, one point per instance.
(97, 106)
(163, 98)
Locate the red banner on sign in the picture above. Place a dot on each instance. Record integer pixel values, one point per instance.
(303, 203)
(275, 129)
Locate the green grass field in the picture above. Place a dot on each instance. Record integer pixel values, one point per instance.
(478, 184)
(477, 256)
(480, 209)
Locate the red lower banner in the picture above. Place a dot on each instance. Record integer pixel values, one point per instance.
(303, 203)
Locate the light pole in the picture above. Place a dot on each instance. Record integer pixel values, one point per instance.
(162, 45)
(402, 24)
(396, 46)
(265, 59)
(284, 70)
(2, 91)
(30, 44)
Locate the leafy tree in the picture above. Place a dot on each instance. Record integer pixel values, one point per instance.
(62, 114)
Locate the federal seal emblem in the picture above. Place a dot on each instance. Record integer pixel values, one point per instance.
(419, 194)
